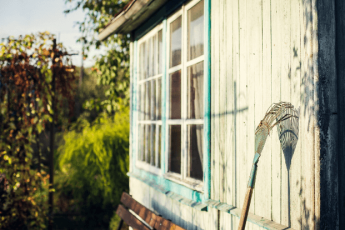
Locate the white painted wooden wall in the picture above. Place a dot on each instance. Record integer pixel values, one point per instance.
(261, 53)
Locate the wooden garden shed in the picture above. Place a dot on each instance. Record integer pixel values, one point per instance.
(203, 73)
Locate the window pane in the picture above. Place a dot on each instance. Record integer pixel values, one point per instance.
(159, 145)
(148, 57)
(144, 61)
(159, 99)
(143, 101)
(141, 52)
(153, 149)
(195, 31)
(148, 101)
(139, 100)
(153, 112)
(148, 143)
(195, 92)
(175, 148)
(175, 95)
(141, 106)
(195, 151)
(175, 42)
(154, 57)
(141, 141)
(160, 52)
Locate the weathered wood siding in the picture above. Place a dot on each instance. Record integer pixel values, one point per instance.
(261, 53)
(183, 215)
(266, 51)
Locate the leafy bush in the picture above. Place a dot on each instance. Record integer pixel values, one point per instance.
(92, 167)
(29, 66)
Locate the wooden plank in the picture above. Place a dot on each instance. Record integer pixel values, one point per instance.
(276, 18)
(286, 96)
(215, 100)
(236, 76)
(147, 215)
(263, 100)
(130, 219)
(211, 219)
(254, 90)
(188, 217)
(255, 97)
(176, 213)
(229, 140)
(222, 102)
(307, 126)
(296, 163)
(241, 125)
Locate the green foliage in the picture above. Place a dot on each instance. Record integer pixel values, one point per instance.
(88, 91)
(92, 168)
(26, 73)
(112, 68)
(113, 71)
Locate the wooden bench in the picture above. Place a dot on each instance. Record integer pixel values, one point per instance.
(151, 219)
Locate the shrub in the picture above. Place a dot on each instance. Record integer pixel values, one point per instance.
(92, 167)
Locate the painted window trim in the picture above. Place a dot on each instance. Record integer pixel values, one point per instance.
(141, 164)
(182, 178)
(187, 192)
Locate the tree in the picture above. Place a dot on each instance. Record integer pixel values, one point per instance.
(27, 67)
(112, 68)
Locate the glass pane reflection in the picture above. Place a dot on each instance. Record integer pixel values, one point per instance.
(195, 93)
(195, 31)
(175, 42)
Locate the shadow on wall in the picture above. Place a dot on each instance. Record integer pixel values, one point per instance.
(288, 132)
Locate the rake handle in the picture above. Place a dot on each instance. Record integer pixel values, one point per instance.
(245, 209)
(248, 197)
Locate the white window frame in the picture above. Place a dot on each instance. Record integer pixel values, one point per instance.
(181, 178)
(143, 164)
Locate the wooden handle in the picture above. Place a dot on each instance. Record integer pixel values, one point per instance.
(245, 209)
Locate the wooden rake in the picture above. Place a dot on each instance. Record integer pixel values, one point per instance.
(274, 113)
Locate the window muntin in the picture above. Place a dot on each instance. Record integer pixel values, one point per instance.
(185, 81)
(150, 99)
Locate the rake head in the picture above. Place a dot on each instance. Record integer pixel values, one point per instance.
(274, 113)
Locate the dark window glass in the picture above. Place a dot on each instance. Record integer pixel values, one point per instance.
(159, 99)
(175, 95)
(159, 145)
(143, 138)
(175, 149)
(148, 143)
(153, 149)
(153, 112)
(195, 151)
(195, 93)
(160, 52)
(141, 142)
(148, 101)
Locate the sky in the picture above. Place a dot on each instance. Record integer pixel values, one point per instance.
(20, 17)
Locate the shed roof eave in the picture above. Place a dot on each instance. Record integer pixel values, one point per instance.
(131, 17)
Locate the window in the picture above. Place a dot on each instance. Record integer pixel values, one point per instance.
(185, 110)
(150, 100)
(184, 80)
